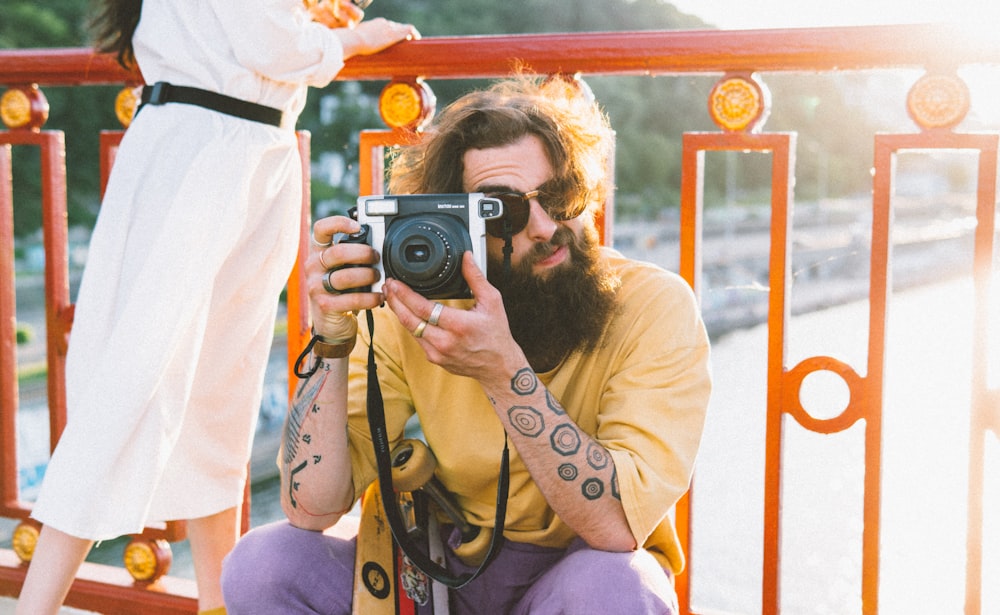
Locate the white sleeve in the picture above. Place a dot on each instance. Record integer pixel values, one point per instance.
(276, 39)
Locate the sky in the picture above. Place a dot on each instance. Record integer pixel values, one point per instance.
(753, 14)
(982, 16)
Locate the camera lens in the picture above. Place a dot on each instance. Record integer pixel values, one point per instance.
(418, 253)
(425, 252)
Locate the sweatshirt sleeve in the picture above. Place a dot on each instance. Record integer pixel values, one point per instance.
(654, 405)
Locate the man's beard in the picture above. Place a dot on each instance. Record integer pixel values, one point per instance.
(564, 310)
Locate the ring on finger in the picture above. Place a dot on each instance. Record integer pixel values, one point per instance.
(323, 262)
(435, 314)
(319, 245)
(328, 284)
(419, 331)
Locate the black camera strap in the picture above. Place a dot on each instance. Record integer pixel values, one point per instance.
(380, 440)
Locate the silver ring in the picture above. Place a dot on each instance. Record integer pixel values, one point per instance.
(312, 240)
(328, 285)
(419, 331)
(323, 262)
(435, 314)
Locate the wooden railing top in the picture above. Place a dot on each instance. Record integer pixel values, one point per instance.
(659, 52)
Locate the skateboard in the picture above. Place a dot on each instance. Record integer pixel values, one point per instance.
(385, 581)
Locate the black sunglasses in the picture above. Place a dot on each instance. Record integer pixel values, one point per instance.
(517, 209)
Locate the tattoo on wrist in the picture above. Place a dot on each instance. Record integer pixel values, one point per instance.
(524, 382)
(526, 420)
(597, 457)
(568, 472)
(592, 488)
(553, 403)
(565, 440)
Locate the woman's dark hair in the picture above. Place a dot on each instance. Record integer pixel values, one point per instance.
(114, 24)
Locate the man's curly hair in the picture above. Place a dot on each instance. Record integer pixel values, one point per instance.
(575, 132)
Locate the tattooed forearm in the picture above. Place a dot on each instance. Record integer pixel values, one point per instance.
(586, 464)
(304, 403)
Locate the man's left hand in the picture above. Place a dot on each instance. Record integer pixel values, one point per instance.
(475, 342)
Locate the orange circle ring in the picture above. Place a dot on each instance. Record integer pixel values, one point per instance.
(738, 103)
(938, 101)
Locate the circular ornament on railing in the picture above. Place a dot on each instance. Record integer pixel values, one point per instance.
(147, 560)
(938, 101)
(125, 104)
(25, 538)
(24, 107)
(407, 104)
(739, 102)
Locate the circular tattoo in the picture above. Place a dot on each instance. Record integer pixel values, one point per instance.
(614, 485)
(526, 420)
(553, 403)
(597, 457)
(567, 472)
(593, 488)
(524, 382)
(565, 440)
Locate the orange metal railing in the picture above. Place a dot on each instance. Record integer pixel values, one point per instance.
(737, 105)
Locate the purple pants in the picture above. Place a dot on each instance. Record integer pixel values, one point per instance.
(277, 569)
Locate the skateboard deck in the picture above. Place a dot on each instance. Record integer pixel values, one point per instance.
(385, 581)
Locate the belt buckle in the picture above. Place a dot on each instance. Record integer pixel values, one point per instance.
(160, 93)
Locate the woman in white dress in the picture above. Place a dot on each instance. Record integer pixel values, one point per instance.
(196, 236)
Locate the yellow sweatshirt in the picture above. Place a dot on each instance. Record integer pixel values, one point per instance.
(643, 395)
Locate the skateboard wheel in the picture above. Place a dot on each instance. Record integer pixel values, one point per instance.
(25, 538)
(147, 560)
(473, 552)
(413, 464)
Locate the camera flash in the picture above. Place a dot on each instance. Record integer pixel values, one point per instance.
(381, 207)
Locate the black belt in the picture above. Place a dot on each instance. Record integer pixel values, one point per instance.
(161, 93)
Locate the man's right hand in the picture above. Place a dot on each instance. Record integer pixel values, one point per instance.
(329, 269)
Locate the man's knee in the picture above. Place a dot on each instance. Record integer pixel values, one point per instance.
(593, 581)
(255, 563)
(279, 566)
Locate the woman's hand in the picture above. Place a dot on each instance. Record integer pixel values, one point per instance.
(372, 36)
(335, 13)
(333, 272)
(359, 37)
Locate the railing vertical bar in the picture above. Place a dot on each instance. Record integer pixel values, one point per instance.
(8, 337)
(979, 424)
(879, 286)
(781, 146)
(57, 304)
(691, 203)
(297, 304)
(779, 268)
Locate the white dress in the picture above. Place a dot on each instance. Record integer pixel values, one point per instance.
(195, 239)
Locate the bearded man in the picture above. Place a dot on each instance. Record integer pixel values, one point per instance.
(592, 367)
